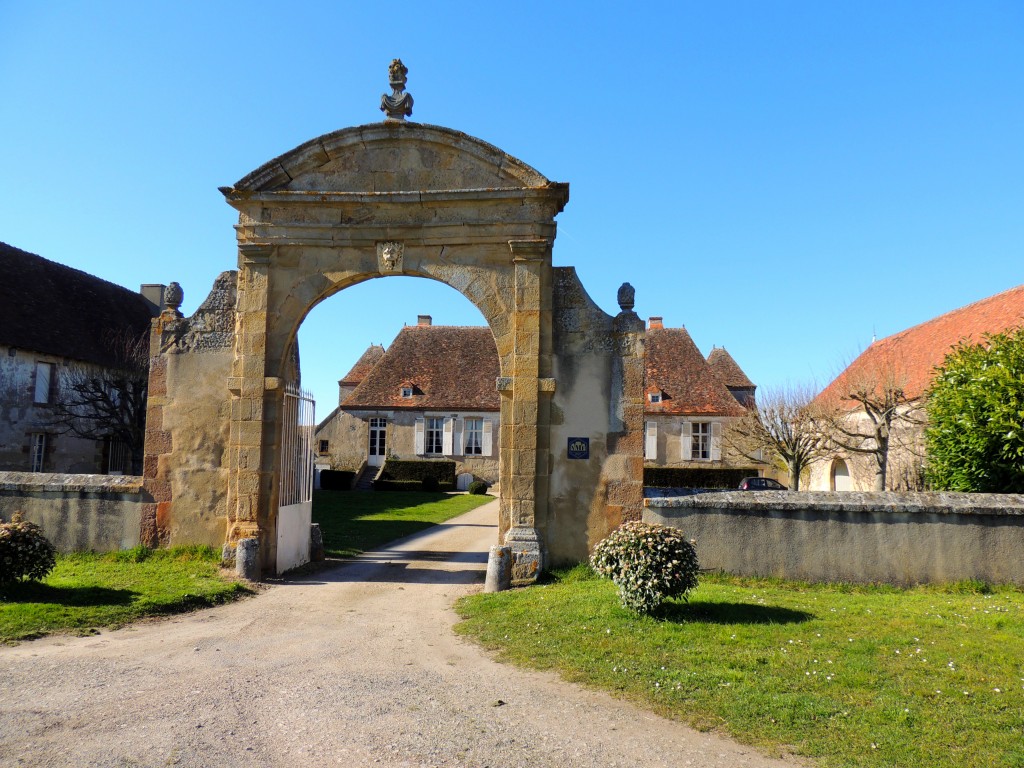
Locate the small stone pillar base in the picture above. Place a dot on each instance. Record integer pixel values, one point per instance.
(247, 559)
(527, 555)
(316, 543)
(499, 569)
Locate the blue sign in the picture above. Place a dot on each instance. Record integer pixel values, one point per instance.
(579, 447)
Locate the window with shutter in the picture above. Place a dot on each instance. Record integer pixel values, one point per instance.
(651, 441)
(449, 435)
(420, 435)
(474, 437)
(487, 447)
(686, 441)
(716, 441)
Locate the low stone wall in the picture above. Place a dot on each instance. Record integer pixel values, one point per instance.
(77, 512)
(897, 538)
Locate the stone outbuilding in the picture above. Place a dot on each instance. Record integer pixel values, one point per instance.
(57, 324)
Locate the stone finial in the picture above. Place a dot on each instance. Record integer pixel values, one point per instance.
(627, 295)
(398, 105)
(173, 296)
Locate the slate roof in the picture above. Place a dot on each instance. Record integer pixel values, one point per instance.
(728, 370)
(451, 368)
(913, 354)
(363, 366)
(687, 381)
(54, 309)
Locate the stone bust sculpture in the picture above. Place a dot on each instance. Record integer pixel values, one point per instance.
(398, 105)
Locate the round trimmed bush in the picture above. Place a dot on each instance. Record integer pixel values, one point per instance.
(648, 563)
(478, 488)
(25, 553)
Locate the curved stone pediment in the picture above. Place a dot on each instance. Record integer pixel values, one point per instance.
(392, 157)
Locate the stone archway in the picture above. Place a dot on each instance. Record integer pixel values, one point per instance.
(398, 198)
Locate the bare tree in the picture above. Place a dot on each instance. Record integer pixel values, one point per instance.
(784, 428)
(107, 402)
(868, 411)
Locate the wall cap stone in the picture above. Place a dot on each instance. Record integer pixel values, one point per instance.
(934, 503)
(44, 482)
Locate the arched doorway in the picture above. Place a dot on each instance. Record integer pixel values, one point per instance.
(405, 199)
(840, 476)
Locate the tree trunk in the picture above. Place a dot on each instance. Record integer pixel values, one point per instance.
(794, 477)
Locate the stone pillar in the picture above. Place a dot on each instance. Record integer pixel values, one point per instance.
(524, 412)
(625, 488)
(249, 485)
(157, 509)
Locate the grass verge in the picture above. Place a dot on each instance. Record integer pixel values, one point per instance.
(86, 591)
(852, 676)
(356, 522)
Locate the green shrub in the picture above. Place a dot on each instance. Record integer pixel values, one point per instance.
(408, 485)
(648, 563)
(336, 479)
(25, 553)
(687, 477)
(478, 488)
(430, 484)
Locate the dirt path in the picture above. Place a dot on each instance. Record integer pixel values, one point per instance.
(356, 666)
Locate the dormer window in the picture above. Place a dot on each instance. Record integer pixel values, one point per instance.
(406, 391)
(655, 397)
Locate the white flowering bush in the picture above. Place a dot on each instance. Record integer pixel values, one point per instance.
(25, 553)
(648, 563)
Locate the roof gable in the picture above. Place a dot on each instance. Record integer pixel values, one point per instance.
(728, 370)
(392, 157)
(911, 356)
(677, 368)
(448, 367)
(363, 366)
(54, 309)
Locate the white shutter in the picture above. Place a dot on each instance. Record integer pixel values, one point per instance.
(487, 447)
(420, 446)
(716, 441)
(457, 440)
(44, 373)
(651, 441)
(446, 438)
(686, 441)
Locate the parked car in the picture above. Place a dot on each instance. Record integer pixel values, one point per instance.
(761, 484)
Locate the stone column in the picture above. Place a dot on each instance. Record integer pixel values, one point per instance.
(248, 489)
(524, 413)
(626, 486)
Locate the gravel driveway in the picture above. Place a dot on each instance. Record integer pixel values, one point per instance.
(356, 665)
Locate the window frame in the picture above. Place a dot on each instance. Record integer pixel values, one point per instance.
(43, 365)
(700, 441)
(37, 452)
(473, 436)
(433, 436)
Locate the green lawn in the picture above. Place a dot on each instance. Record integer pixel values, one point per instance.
(353, 522)
(853, 676)
(86, 591)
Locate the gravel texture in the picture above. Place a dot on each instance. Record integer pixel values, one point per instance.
(356, 665)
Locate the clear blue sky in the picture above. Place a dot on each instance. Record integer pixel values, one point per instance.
(783, 178)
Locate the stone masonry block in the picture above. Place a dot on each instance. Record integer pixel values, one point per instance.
(158, 441)
(523, 487)
(150, 466)
(158, 377)
(523, 462)
(522, 437)
(163, 515)
(159, 490)
(524, 411)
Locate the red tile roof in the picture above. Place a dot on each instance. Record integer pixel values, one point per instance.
(912, 355)
(454, 368)
(363, 366)
(688, 383)
(727, 370)
(449, 367)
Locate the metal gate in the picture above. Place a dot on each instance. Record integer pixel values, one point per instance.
(295, 494)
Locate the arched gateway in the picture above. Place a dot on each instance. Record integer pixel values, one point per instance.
(397, 198)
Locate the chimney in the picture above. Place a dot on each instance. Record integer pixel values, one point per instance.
(424, 320)
(153, 293)
(656, 324)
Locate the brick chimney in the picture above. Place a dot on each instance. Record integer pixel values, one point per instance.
(655, 324)
(424, 320)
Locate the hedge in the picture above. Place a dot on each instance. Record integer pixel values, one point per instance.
(689, 477)
(336, 479)
(409, 485)
(441, 470)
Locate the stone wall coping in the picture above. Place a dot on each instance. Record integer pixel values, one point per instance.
(43, 482)
(934, 503)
